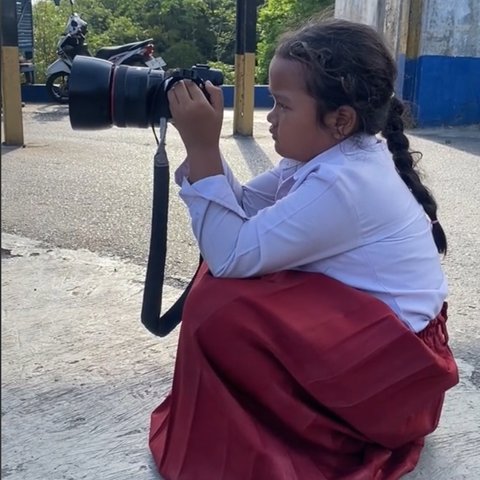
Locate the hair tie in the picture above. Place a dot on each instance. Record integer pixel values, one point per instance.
(434, 222)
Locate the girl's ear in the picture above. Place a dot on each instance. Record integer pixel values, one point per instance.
(342, 122)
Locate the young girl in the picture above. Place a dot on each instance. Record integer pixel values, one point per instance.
(313, 342)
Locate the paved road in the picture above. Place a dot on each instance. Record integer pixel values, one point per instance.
(75, 231)
(92, 190)
(80, 375)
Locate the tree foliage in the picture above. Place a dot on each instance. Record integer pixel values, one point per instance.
(184, 32)
(279, 16)
(48, 23)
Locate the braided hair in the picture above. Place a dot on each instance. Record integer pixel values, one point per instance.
(399, 146)
(348, 63)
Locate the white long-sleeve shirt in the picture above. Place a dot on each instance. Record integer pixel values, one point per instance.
(346, 213)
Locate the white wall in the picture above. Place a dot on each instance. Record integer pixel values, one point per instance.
(440, 76)
(385, 15)
(389, 17)
(450, 28)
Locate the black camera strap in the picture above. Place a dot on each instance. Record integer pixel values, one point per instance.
(152, 319)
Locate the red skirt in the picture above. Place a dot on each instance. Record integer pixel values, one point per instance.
(296, 376)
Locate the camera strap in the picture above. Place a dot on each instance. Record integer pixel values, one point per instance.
(151, 317)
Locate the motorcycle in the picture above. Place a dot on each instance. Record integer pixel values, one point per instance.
(73, 43)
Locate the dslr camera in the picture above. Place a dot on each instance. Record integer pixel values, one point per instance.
(102, 94)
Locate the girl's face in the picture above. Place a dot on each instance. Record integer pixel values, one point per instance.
(294, 125)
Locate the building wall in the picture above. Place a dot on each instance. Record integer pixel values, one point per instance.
(389, 17)
(437, 47)
(451, 28)
(385, 15)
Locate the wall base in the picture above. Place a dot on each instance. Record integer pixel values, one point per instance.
(38, 94)
(443, 91)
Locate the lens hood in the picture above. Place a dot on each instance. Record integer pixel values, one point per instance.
(89, 93)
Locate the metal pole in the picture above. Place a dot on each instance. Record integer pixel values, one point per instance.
(238, 100)
(245, 67)
(10, 72)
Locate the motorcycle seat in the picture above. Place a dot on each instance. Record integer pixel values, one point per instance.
(106, 52)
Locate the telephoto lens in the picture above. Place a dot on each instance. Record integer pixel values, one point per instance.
(102, 95)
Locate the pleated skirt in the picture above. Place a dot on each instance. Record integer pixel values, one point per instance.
(296, 376)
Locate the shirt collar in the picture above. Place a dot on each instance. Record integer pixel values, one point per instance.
(334, 155)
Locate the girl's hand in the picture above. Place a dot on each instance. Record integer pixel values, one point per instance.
(198, 121)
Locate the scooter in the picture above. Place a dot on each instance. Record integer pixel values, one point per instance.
(73, 43)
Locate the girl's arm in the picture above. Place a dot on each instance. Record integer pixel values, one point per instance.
(310, 223)
(256, 195)
(199, 123)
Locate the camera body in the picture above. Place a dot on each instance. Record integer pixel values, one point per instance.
(102, 95)
(199, 73)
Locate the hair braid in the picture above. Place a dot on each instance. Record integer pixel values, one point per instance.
(399, 146)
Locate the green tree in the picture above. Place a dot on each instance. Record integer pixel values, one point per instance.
(184, 31)
(48, 22)
(227, 70)
(278, 16)
(182, 21)
(105, 28)
(222, 15)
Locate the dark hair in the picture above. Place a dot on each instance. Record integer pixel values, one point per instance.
(348, 63)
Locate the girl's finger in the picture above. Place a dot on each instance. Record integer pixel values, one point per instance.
(194, 90)
(180, 91)
(172, 96)
(216, 95)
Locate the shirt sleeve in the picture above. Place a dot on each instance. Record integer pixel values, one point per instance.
(257, 194)
(312, 222)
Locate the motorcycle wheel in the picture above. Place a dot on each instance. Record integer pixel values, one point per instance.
(57, 87)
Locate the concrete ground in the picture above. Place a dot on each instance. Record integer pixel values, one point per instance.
(80, 375)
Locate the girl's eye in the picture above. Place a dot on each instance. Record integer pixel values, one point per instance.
(278, 104)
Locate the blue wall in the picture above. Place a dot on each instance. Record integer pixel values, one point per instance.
(262, 97)
(38, 94)
(443, 90)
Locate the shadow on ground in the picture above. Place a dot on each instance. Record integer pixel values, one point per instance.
(50, 113)
(253, 154)
(466, 139)
(6, 149)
